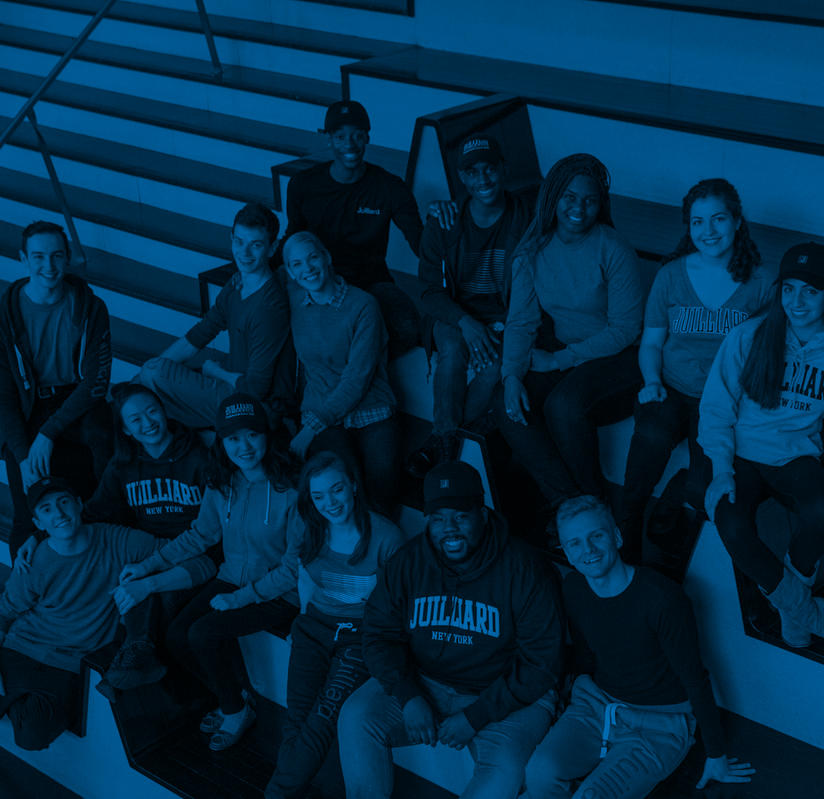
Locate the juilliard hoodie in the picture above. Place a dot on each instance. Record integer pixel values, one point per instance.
(492, 629)
(159, 495)
(731, 423)
(253, 521)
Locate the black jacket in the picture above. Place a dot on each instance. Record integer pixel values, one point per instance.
(18, 383)
(494, 629)
(441, 268)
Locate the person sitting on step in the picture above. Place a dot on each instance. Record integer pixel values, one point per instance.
(344, 546)
(60, 609)
(249, 508)
(711, 283)
(253, 309)
(641, 684)
(54, 374)
(462, 636)
(349, 204)
(466, 274)
(760, 424)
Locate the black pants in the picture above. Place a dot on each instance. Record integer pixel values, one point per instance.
(373, 452)
(93, 432)
(559, 444)
(41, 701)
(204, 640)
(325, 667)
(659, 428)
(799, 485)
(148, 620)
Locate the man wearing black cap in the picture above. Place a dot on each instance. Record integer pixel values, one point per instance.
(59, 610)
(462, 636)
(466, 274)
(349, 203)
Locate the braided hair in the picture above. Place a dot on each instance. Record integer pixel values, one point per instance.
(542, 227)
(745, 255)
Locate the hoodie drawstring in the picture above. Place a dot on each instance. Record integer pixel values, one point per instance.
(22, 368)
(609, 721)
(229, 504)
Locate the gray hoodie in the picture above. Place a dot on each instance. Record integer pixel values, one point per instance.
(731, 423)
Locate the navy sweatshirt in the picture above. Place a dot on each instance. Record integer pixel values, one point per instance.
(493, 629)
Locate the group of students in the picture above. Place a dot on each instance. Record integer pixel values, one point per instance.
(284, 521)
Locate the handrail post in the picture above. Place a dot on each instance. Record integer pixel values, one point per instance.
(58, 190)
(210, 39)
(56, 70)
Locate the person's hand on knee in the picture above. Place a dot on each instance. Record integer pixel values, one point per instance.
(419, 720)
(455, 731)
(516, 400)
(38, 462)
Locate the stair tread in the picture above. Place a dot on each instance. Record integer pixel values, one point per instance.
(124, 275)
(151, 164)
(276, 84)
(355, 47)
(262, 135)
(774, 123)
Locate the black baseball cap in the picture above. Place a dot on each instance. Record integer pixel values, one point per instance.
(48, 485)
(476, 148)
(346, 112)
(453, 484)
(804, 262)
(239, 412)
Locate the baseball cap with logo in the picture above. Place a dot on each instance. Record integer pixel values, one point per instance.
(476, 148)
(804, 262)
(45, 486)
(346, 112)
(239, 412)
(453, 484)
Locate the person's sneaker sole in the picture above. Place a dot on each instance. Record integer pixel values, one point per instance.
(134, 678)
(105, 688)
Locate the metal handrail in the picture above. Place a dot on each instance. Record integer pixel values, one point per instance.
(27, 110)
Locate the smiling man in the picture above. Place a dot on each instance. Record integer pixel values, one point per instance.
(254, 310)
(466, 274)
(462, 636)
(642, 685)
(350, 204)
(54, 371)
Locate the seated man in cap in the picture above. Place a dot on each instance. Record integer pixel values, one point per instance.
(630, 723)
(463, 638)
(349, 204)
(61, 609)
(54, 373)
(253, 309)
(466, 273)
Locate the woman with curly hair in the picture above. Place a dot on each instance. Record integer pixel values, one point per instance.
(574, 274)
(712, 282)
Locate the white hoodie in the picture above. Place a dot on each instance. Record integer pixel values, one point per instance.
(731, 423)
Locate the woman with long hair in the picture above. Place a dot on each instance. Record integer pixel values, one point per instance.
(250, 509)
(344, 545)
(760, 425)
(574, 313)
(708, 285)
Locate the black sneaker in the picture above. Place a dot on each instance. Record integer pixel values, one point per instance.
(135, 664)
(436, 449)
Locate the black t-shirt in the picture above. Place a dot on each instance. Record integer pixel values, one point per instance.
(483, 252)
(352, 219)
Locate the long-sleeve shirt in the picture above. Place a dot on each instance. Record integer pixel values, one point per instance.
(591, 289)
(353, 219)
(731, 423)
(492, 629)
(251, 521)
(258, 328)
(644, 644)
(62, 608)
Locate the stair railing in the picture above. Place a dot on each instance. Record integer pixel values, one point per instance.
(27, 109)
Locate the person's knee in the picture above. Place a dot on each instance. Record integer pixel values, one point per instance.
(36, 722)
(355, 715)
(201, 636)
(544, 769)
(735, 529)
(562, 410)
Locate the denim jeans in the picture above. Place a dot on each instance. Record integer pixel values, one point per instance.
(659, 427)
(643, 748)
(455, 403)
(371, 722)
(559, 444)
(797, 485)
(325, 667)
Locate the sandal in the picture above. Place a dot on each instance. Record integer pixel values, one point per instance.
(212, 721)
(223, 739)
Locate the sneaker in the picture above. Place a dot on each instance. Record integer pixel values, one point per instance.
(135, 664)
(105, 688)
(436, 449)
